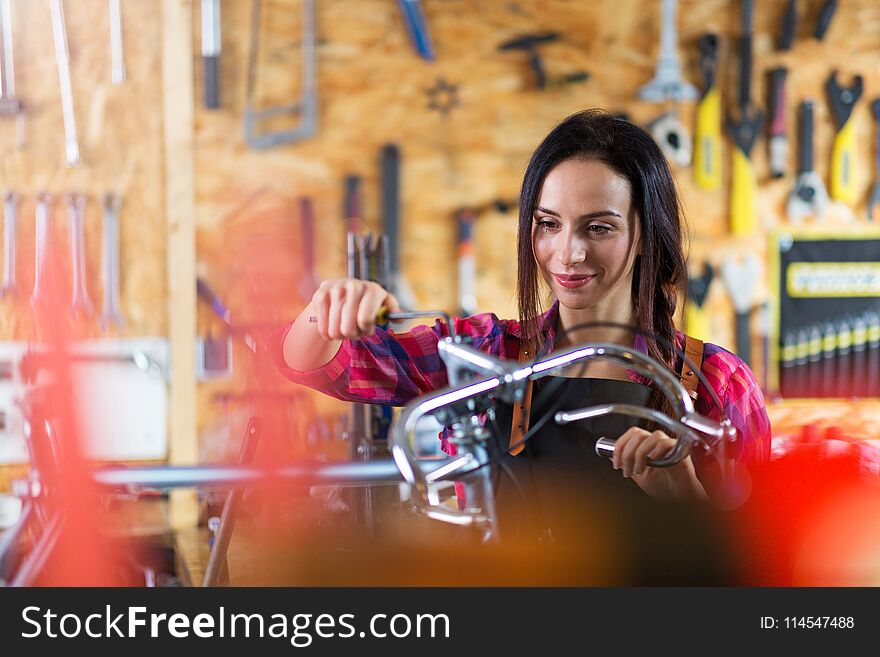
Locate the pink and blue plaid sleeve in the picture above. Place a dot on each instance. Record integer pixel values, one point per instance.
(393, 368)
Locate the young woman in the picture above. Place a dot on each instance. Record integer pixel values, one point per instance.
(600, 226)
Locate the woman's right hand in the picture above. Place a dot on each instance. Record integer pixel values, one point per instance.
(347, 307)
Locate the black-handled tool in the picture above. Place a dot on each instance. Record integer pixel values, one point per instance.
(778, 141)
(808, 197)
(211, 45)
(874, 197)
(844, 186)
(826, 13)
(529, 43)
(788, 25)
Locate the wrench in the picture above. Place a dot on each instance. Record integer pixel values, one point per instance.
(666, 85)
(809, 195)
(41, 250)
(117, 60)
(76, 215)
(110, 264)
(62, 59)
(10, 217)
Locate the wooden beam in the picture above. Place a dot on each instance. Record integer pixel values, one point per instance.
(179, 128)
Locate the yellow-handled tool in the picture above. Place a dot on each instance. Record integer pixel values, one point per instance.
(844, 181)
(707, 142)
(744, 130)
(696, 317)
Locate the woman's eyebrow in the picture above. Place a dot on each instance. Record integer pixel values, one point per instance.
(589, 215)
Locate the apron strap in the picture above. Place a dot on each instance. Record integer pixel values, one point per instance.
(693, 349)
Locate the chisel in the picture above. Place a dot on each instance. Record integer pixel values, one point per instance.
(874, 198)
(707, 156)
(844, 186)
(696, 319)
(778, 141)
(744, 132)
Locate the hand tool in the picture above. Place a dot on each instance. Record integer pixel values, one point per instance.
(808, 196)
(9, 104)
(220, 309)
(307, 105)
(211, 45)
(467, 292)
(111, 310)
(844, 184)
(826, 13)
(778, 137)
(787, 26)
(696, 320)
(117, 59)
(764, 324)
(874, 198)
(10, 221)
(417, 27)
(309, 282)
(829, 359)
(744, 130)
(707, 156)
(740, 279)
(62, 59)
(397, 282)
(843, 385)
(801, 363)
(786, 364)
(383, 317)
(42, 252)
(667, 85)
(814, 362)
(80, 303)
(859, 353)
(529, 43)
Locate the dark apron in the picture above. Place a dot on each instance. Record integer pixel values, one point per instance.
(559, 471)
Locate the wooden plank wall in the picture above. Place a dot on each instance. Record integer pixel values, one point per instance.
(373, 89)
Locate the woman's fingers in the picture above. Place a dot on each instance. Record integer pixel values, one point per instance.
(624, 449)
(321, 305)
(348, 317)
(334, 315)
(653, 446)
(369, 306)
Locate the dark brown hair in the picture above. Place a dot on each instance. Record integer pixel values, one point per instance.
(660, 271)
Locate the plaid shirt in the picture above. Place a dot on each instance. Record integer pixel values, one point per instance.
(393, 368)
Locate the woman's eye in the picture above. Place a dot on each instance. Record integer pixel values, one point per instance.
(544, 224)
(597, 229)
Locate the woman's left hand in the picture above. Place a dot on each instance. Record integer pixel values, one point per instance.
(631, 453)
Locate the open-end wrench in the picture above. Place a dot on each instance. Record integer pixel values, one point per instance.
(80, 303)
(808, 196)
(844, 179)
(9, 104)
(62, 59)
(110, 263)
(41, 249)
(117, 59)
(10, 219)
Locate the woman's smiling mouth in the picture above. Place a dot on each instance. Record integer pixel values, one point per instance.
(573, 281)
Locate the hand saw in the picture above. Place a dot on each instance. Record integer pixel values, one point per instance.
(744, 132)
(707, 155)
(844, 183)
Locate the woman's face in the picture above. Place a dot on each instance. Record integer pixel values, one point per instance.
(585, 236)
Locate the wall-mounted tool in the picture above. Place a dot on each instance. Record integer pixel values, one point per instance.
(309, 282)
(707, 155)
(844, 183)
(211, 47)
(808, 196)
(111, 312)
(874, 197)
(417, 28)
(467, 268)
(220, 309)
(778, 137)
(872, 319)
(80, 303)
(744, 130)
(529, 43)
(788, 25)
(10, 221)
(826, 13)
(307, 106)
(389, 162)
(43, 288)
(9, 104)
(696, 319)
(843, 385)
(667, 85)
(740, 279)
(117, 59)
(62, 60)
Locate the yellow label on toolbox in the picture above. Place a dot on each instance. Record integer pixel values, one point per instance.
(833, 279)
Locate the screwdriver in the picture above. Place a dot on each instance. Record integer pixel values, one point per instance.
(383, 317)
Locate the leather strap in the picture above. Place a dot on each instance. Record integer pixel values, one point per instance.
(693, 349)
(521, 411)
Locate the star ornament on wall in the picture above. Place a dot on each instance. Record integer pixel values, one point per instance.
(443, 96)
